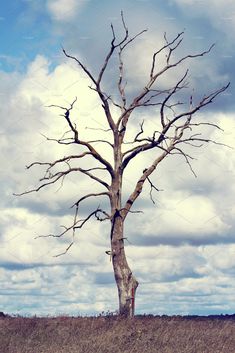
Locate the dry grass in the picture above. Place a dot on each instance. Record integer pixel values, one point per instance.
(142, 334)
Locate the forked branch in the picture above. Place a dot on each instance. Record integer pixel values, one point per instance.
(77, 224)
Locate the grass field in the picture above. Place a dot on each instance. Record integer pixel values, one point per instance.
(111, 334)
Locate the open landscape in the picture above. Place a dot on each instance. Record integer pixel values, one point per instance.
(117, 143)
(104, 334)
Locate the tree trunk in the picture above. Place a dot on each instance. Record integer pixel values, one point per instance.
(125, 280)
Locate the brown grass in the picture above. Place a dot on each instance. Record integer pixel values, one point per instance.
(142, 334)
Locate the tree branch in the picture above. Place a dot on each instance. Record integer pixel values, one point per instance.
(73, 128)
(153, 77)
(152, 186)
(76, 226)
(61, 160)
(174, 90)
(77, 203)
(160, 50)
(140, 183)
(81, 65)
(61, 175)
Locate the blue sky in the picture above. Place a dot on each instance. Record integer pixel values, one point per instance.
(182, 249)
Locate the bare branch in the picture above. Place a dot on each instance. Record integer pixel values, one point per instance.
(66, 250)
(171, 49)
(113, 47)
(208, 124)
(81, 65)
(61, 160)
(204, 140)
(152, 186)
(94, 213)
(102, 141)
(141, 148)
(121, 88)
(169, 66)
(90, 195)
(160, 50)
(86, 172)
(140, 132)
(61, 141)
(73, 128)
(105, 217)
(98, 129)
(140, 183)
(77, 224)
(97, 83)
(153, 77)
(59, 176)
(191, 56)
(187, 159)
(131, 211)
(177, 87)
(133, 38)
(67, 118)
(205, 101)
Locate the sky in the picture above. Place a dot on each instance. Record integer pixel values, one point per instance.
(182, 248)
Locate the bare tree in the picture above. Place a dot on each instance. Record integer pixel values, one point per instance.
(177, 130)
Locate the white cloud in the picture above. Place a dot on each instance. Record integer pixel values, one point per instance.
(181, 210)
(65, 10)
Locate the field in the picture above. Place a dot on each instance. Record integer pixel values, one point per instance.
(111, 334)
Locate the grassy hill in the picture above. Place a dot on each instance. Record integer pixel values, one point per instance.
(111, 334)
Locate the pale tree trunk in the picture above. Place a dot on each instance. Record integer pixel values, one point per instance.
(125, 280)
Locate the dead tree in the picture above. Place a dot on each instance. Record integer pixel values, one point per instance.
(177, 130)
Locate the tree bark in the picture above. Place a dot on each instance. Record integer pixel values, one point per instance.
(125, 280)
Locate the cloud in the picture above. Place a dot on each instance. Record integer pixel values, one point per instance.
(26, 289)
(64, 10)
(181, 249)
(178, 220)
(220, 13)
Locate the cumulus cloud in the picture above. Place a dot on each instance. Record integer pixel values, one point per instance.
(181, 249)
(64, 10)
